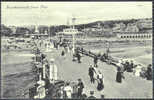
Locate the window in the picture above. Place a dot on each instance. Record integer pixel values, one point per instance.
(142, 36)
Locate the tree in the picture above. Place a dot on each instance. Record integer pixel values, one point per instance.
(5, 31)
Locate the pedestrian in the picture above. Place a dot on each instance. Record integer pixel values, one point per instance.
(62, 53)
(95, 72)
(68, 90)
(38, 58)
(95, 61)
(45, 64)
(43, 56)
(119, 75)
(80, 88)
(138, 69)
(68, 50)
(100, 85)
(149, 72)
(91, 74)
(91, 95)
(78, 57)
(37, 50)
(127, 66)
(120, 65)
(61, 92)
(130, 67)
(40, 89)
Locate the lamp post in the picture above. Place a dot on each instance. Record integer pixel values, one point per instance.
(73, 38)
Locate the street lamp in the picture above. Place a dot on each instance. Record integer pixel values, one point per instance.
(73, 40)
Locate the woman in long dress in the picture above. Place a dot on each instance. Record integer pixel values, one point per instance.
(119, 75)
(100, 85)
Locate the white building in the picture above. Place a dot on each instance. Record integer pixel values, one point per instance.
(134, 36)
(69, 32)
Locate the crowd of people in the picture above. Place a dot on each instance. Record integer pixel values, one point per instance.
(94, 72)
(131, 67)
(96, 75)
(47, 70)
(68, 90)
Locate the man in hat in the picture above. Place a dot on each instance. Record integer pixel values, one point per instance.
(68, 90)
(80, 88)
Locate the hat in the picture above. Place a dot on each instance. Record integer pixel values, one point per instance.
(149, 65)
(99, 71)
(91, 92)
(67, 83)
(52, 60)
(79, 79)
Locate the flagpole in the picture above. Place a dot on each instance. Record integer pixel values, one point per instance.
(73, 40)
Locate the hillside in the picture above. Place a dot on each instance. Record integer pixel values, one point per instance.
(99, 27)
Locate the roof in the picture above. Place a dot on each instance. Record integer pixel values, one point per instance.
(37, 34)
(69, 31)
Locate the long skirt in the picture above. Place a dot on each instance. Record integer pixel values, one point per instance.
(100, 85)
(119, 77)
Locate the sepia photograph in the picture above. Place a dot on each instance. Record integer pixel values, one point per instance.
(76, 50)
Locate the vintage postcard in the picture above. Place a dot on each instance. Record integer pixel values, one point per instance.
(52, 50)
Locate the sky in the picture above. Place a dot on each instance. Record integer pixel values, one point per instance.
(59, 13)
